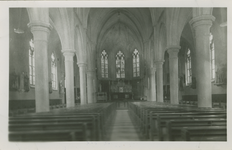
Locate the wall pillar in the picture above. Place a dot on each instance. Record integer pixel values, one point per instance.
(173, 67)
(202, 25)
(90, 88)
(82, 69)
(40, 33)
(153, 84)
(69, 77)
(94, 90)
(159, 71)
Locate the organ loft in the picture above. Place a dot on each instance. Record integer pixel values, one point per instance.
(117, 74)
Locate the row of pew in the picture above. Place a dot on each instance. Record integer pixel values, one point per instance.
(31, 109)
(166, 122)
(80, 123)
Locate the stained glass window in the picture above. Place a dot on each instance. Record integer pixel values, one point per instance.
(31, 62)
(104, 64)
(188, 68)
(120, 65)
(53, 72)
(212, 52)
(136, 69)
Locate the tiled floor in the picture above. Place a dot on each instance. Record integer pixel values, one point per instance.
(122, 128)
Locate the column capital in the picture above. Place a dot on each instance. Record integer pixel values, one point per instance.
(39, 26)
(173, 51)
(159, 62)
(173, 48)
(90, 71)
(68, 51)
(153, 70)
(202, 20)
(82, 64)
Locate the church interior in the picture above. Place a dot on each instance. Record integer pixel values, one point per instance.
(118, 74)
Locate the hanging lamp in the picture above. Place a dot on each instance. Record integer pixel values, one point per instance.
(18, 30)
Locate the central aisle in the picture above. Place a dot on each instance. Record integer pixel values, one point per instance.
(122, 129)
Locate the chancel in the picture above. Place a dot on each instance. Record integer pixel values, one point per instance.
(118, 74)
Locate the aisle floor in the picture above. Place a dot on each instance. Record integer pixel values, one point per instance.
(122, 128)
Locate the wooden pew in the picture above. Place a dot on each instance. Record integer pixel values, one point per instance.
(173, 127)
(71, 118)
(148, 113)
(140, 115)
(48, 132)
(149, 116)
(44, 122)
(158, 123)
(214, 133)
(144, 117)
(103, 112)
(67, 116)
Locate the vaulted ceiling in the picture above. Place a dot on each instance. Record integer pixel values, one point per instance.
(119, 28)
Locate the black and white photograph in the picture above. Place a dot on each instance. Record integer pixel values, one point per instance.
(89, 74)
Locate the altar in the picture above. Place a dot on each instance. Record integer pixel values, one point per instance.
(121, 96)
(120, 90)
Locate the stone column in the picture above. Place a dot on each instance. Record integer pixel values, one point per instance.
(82, 70)
(94, 90)
(153, 84)
(90, 87)
(173, 67)
(159, 70)
(94, 79)
(69, 77)
(40, 33)
(202, 25)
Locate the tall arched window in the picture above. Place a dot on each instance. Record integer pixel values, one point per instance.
(136, 70)
(53, 71)
(188, 68)
(31, 62)
(120, 65)
(212, 53)
(104, 64)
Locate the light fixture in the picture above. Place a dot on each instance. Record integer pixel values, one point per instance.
(18, 30)
(224, 24)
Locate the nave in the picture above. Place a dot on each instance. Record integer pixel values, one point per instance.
(118, 74)
(122, 128)
(122, 121)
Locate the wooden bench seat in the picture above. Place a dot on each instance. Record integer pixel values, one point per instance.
(158, 123)
(49, 135)
(214, 133)
(153, 115)
(61, 123)
(173, 127)
(63, 120)
(142, 115)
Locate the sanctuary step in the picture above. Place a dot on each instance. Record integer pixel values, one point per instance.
(122, 128)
